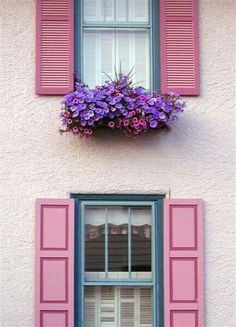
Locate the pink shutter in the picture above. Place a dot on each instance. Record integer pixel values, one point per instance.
(54, 294)
(183, 263)
(54, 46)
(179, 46)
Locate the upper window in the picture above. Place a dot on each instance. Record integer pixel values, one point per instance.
(116, 36)
(93, 37)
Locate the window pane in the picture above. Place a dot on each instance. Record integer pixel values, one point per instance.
(138, 11)
(118, 239)
(127, 243)
(94, 239)
(141, 240)
(114, 306)
(105, 49)
(116, 11)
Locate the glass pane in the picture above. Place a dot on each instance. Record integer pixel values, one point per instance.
(116, 11)
(105, 49)
(118, 239)
(113, 306)
(94, 239)
(138, 11)
(141, 239)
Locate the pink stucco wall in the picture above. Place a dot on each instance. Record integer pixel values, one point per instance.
(195, 159)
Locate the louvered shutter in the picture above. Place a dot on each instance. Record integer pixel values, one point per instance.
(54, 46)
(179, 46)
(135, 307)
(111, 306)
(183, 263)
(54, 294)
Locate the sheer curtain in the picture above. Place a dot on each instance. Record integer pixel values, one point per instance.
(109, 47)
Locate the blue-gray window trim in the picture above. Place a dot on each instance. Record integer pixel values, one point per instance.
(158, 207)
(155, 42)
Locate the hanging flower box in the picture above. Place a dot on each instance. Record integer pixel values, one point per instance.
(118, 104)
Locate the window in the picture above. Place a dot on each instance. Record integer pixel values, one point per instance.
(119, 264)
(105, 33)
(116, 35)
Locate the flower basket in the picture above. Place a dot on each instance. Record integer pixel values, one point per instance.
(117, 104)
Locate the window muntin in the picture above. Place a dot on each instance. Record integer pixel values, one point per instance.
(118, 242)
(116, 35)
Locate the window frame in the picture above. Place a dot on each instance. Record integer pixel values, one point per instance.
(153, 25)
(156, 201)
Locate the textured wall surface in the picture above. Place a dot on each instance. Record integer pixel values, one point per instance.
(195, 159)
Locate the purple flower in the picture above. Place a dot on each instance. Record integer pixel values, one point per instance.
(86, 115)
(162, 115)
(75, 129)
(117, 104)
(151, 102)
(153, 123)
(125, 122)
(98, 110)
(111, 124)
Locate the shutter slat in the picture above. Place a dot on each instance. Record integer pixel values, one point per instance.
(183, 263)
(54, 263)
(179, 46)
(56, 8)
(54, 46)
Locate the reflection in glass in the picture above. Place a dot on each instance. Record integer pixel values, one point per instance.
(118, 242)
(117, 239)
(94, 239)
(141, 239)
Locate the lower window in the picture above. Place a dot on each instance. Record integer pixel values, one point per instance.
(119, 263)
